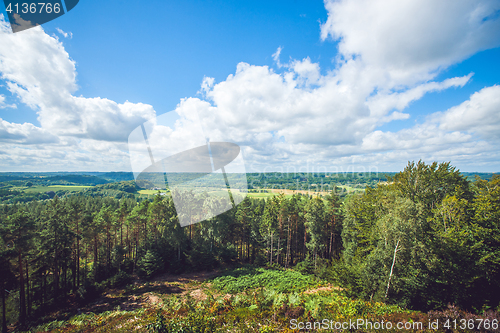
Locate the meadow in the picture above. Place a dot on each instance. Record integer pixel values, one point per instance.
(55, 188)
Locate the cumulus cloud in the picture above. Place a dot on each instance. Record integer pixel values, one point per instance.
(25, 134)
(479, 115)
(411, 40)
(381, 103)
(389, 55)
(4, 105)
(44, 78)
(390, 52)
(467, 133)
(256, 99)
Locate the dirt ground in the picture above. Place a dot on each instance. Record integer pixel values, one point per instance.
(144, 293)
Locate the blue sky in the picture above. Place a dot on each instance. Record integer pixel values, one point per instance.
(159, 52)
(297, 84)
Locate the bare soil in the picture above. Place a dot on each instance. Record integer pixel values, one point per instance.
(144, 293)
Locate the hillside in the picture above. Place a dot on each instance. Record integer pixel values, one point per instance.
(246, 299)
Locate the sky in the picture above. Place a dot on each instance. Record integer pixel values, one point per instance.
(359, 85)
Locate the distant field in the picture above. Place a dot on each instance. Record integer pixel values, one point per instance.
(149, 192)
(270, 193)
(261, 195)
(55, 188)
(350, 189)
(289, 193)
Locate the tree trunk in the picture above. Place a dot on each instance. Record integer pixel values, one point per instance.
(128, 242)
(288, 243)
(241, 241)
(305, 241)
(396, 249)
(4, 317)
(135, 254)
(271, 257)
(296, 235)
(77, 254)
(28, 298)
(22, 298)
(95, 257)
(108, 249)
(330, 251)
(121, 232)
(44, 287)
(248, 245)
(280, 238)
(278, 250)
(315, 258)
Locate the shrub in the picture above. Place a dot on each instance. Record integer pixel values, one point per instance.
(306, 266)
(279, 280)
(121, 279)
(149, 265)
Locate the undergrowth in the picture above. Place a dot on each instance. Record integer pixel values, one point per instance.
(252, 300)
(245, 278)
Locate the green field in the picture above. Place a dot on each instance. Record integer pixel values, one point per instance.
(350, 189)
(55, 188)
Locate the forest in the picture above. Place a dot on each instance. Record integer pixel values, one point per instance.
(422, 239)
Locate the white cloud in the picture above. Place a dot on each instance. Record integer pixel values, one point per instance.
(390, 53)
(276, 57)
(4, 105)
(44, 78)
(206, 85)
(25, 134)
(411, 40)
(381, 103)
(468, 133)
(65, 34)
(308, 72)
(88, 155)
(256, 100)
(479, 115)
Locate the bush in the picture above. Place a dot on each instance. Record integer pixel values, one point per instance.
(260, 260)
(201, 259)
(87, 291)
(149, 265)
(121, 279)
(193, 322)
(241, 279)
(159, 326)
(306, 266)
(227, 253)
(346, 276)
(127, 266)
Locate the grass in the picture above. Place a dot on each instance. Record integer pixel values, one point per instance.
(55, 188)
